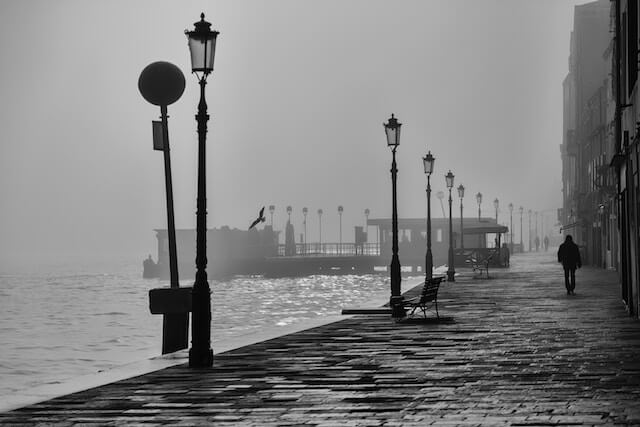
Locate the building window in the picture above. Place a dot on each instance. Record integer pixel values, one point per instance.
(439, 235)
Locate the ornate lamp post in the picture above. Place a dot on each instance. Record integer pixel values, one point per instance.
(521, 244)
(428, 162)
(272, 208)
(529, 212)
(340, 209)
(289, 209)
(392, 131)
(366, 223)
(511, 227)
(202, 45)
(537, 245)
(366, 228)
(320, 222)
(479, 200)
(496, 205)
(461, 195)
(451, 272)
(305, 211)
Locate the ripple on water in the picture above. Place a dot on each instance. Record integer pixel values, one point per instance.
(55, 327)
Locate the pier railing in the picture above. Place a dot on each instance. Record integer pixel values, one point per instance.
(331, 249)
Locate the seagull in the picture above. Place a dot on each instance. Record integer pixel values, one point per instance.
(259, 219)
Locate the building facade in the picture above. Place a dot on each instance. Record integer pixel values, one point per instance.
(601, 130)
(626, 152)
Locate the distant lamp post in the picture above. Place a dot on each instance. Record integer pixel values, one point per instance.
(289, 209)
(529, 235)
(461, 196)
(537, 242)
(366, 226)
(366, 223)
(392, 131)
(320, 222)
(305, 211)
(340, 209)
(202, 45)
(272, 208)
(451, 272)
(428, 162)
(521, 210)
(479, 200)
(496, 205)
(510, 227)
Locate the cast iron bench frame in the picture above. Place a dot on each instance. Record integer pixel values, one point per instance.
(428, 297)
(480, 265)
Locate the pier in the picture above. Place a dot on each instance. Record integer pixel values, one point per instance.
(513, 349)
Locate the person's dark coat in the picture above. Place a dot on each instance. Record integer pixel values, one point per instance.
(569, 254)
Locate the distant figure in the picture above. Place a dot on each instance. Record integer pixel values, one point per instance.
(569, 256)
(260, 219)
(537, 242)
(505, 255)
(545, 242)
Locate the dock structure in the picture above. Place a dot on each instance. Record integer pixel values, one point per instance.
(253, 252)
(512, 350)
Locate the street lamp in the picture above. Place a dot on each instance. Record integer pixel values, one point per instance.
(479, 200)
(202, 46)
(340, 209)
(496, 205)
(366, 225)
(428, 162)
(537, 239)
(529, 235)
(305, 211)
(272, 208)
(521, 244)
(320, 222)
(510, 227)
(366, 222)
(451, 272)
(461, 195)
(392, 131)
(289, 209)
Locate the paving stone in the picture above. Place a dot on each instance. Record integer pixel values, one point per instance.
(510, 350)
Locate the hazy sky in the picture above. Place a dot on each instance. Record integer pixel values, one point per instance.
(297, 101)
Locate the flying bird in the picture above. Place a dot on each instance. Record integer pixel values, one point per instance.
(259, 219)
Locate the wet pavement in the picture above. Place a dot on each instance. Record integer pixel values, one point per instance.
(513, 349)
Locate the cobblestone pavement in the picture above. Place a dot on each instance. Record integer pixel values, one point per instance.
(513, 349)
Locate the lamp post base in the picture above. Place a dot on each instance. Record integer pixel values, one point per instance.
(451, 276)
(200, 359)
(397, 310)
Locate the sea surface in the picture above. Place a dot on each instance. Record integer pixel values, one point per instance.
(71, 321)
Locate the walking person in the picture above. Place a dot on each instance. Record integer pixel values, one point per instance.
(569, 256)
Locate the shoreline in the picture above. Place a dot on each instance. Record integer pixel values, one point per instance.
(49, 391)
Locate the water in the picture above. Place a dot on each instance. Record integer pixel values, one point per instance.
(64, 324)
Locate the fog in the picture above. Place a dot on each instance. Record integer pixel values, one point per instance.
(297, 100)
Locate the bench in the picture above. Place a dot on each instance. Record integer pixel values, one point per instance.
(428, 297)
(480, 265)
